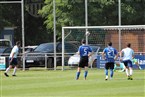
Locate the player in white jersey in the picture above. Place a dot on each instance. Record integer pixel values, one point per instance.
(127, 54)
(13, 59)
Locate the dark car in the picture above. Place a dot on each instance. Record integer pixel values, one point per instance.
(43, 55)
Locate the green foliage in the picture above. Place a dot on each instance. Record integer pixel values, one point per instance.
(67, 14)
(71, 13)
(10, 16)
(100, 12)
(6, 12)
(133, 12)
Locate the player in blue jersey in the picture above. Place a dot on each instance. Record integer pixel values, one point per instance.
(110, 54)
(84, 51)
(127, 55)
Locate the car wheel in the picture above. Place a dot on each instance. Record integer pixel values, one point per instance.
(50, 63)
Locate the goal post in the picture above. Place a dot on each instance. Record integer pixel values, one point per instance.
(100, 35)
(22, 24)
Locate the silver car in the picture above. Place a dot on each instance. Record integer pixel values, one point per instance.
(74, 60)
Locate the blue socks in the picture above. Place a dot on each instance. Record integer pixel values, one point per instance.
(106, 72)
(85, 74)
(111, 73)
(77, 75)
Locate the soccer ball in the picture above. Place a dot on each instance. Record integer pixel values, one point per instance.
(87, 33)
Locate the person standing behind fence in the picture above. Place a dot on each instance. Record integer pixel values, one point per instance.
(13, 59)
(85, 51)
(127, 54)
(109, 54)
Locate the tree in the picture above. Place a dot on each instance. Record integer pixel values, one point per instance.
(133, 12)
(70, 13)
(11, 17)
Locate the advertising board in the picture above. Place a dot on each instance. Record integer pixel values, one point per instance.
(140, 58)
(2, 63)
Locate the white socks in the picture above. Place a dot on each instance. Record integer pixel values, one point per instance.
(8, 69)
(15, 69)
(129, 72)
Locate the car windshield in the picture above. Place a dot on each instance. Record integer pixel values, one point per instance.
(49, 47)
(46, 47)
(69, 48)
(5, 43)
(8, 50)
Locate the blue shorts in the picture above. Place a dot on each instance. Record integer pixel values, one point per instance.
(128, 63)
(14, 62)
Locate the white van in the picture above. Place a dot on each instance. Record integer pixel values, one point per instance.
(5, 43)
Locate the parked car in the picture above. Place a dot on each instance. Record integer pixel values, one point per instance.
(5, 49)
(44, 53)
(5, 52)
(30, 48)
(5, 43)
(74, 60)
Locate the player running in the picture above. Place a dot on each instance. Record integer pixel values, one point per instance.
(13, 59)
(110, 54)
(127, 55)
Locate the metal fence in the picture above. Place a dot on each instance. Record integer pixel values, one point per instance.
(100, 37)
(42, 62)
(36, 61)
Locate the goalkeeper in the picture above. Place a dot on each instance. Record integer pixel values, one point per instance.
(135, 61)
(119, 65)
(122, 66)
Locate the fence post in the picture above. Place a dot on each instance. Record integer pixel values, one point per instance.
(45, 61)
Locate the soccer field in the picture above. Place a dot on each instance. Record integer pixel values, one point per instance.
(50, 83)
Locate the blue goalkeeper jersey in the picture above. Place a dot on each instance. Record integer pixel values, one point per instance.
(110, 53)
(84, 50)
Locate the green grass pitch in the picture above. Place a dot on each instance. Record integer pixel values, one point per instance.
(51, 83)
